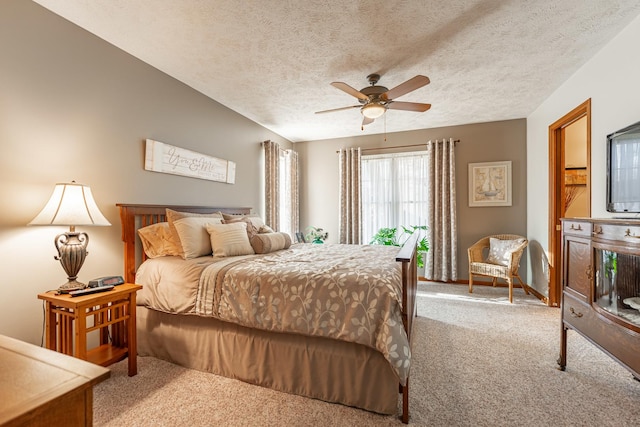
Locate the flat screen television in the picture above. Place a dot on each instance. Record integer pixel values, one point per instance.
(623, 170)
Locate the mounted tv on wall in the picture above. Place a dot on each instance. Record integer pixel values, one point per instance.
(623, 170)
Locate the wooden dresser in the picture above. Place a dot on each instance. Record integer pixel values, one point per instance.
(40, 387)
(601, 287)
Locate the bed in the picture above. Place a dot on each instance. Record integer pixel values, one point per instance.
(358, 370)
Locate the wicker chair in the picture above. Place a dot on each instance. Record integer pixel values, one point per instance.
(478, 265)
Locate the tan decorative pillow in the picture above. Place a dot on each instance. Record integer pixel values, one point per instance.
(229, 239)
(254, 218)
(252, 230)
(194, 237)
(500, 250)
(270, 242)
(173, 216)
(157, 240)
(265, 229)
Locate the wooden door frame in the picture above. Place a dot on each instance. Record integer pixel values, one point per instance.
(556, 197)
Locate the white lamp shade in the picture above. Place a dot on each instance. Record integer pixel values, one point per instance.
(70, 204)
(373, 110)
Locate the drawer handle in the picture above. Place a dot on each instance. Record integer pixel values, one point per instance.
(574, 313)
(597, 230)
(578, 228)
(587, 272)
(627, 233)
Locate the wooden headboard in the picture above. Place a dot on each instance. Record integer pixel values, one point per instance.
(134, 217)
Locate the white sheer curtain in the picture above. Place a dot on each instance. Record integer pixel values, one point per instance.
(349, 218)
(394, 192)
(442, 260)
(282, 206)
(289, 218)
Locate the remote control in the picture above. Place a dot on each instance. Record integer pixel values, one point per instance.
(88, 291)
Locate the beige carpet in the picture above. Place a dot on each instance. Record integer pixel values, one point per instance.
(478, 361)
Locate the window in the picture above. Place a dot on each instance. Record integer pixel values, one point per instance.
(394, 191)
(281, 188)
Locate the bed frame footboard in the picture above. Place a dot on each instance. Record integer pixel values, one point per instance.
(408, 256)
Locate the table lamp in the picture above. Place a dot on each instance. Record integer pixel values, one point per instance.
(71, 204)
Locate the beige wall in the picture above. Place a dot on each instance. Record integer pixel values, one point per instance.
(73, 107)
(610, 79)
(481, 142)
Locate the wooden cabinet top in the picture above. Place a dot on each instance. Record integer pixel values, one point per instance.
(31, 376)
(66, 300)
(625, 232)
(612, 221)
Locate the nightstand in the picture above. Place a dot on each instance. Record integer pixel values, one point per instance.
(68, 321)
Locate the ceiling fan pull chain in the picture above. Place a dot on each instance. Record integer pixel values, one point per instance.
(385, 128)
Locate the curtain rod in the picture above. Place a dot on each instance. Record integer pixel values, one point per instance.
(455, 141)
(282, 150)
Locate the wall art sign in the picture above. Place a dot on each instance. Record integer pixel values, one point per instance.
(490, 184)
(165, 158)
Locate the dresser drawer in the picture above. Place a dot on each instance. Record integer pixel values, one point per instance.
(577, 313)
(630, 234)
(620, 342)
(579, 228)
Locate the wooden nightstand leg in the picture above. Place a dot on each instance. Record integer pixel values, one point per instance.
(81, 334)
(50, 327)
(131, 336)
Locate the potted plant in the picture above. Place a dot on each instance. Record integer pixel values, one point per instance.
(390, 237)
(316, 235)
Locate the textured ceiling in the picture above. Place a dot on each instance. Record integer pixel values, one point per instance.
(273, 60)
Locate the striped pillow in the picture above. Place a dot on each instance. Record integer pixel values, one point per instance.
(229, 239)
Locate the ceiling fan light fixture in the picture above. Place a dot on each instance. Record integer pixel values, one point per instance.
(373, 110)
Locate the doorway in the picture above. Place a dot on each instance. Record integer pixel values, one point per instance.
(569, 183)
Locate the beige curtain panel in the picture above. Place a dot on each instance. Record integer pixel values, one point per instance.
(442, 260)
(271, 179)
(349, 219)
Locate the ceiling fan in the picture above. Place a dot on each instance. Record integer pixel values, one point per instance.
(376, 100)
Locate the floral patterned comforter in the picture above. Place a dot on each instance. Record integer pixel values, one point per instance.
(345, 292)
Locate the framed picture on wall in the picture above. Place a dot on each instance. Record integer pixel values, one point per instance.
(490, 184)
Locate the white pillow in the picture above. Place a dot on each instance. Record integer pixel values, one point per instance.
(500, 250)
(194, 237)
(229, 239)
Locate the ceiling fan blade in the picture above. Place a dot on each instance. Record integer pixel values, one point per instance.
(338, 109)
(351, 91)
(366, 121)
(408, 106)
(403, 88)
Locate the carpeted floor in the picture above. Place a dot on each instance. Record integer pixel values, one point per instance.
(477, 361)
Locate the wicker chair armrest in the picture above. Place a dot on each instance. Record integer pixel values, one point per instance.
(516, 254)
(475, 251)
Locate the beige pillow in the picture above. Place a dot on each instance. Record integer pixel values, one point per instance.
(173, 216)
(252, 230)
(254, 218)
(500, 250)
(265, 229)
(157, 240)
(194, 237)
(229, 239)
(270, 242)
